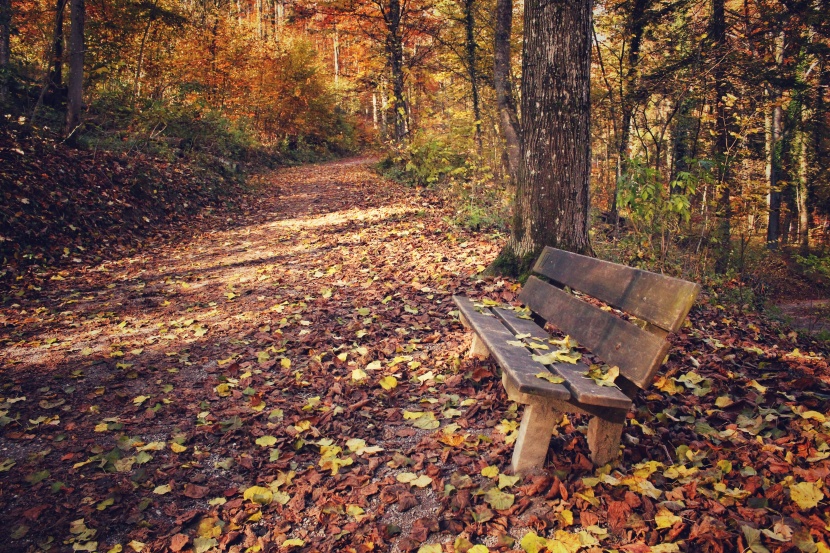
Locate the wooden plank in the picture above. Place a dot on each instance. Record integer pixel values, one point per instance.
(515, 361)
(563, 406)
(620, 343)
(661, 300)
(584, 389)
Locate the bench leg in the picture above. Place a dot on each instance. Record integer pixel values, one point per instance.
(535, 431)
(604, 438)
(478, 349)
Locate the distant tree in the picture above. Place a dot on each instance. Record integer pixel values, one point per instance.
(5, 47)
(503, 84)
(551, 204)
(76, 66)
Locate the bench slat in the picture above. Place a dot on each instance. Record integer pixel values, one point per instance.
(636, 352)
(516, 362)
(584, 389)
(661, 300)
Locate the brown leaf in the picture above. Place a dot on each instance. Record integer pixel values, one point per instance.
(195, 492)
(618, 512)
(178, 542)
(406, 501)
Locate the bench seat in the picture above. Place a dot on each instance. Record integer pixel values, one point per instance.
(637, 345)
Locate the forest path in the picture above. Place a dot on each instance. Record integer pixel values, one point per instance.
(280, 326)
(296, 381)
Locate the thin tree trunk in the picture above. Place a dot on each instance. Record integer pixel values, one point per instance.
(394, 51)
(76, 66)
(635, 27)
(469, 24)
(551, 207)
(502, 80)
(137, 84)
(5, 47)
(54, 84)
(336, 48)
(724, 209)
(773, 151)
(802, 190)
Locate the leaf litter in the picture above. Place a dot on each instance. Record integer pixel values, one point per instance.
(298, 381)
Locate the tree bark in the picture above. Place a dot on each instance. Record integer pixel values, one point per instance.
(635, 25)
(394, 51)
(137, 83)
(5, 47)
(774, 133)
(54, 84)
(551, 206)
(724, 208)
(802, 189)
(76, 66)
(469, 24)
(502, 73)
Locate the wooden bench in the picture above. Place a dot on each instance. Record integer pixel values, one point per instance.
(657, 305)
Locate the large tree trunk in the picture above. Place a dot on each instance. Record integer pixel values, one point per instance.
(394, 51)
(469, 25)
(551, 207)
(76, 66)
(502, 72)
(5, 47)
(724, 209)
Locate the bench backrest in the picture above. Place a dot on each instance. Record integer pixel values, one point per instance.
(662, 302)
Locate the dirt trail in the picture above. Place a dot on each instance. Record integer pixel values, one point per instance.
(217, 341)
(295, 380)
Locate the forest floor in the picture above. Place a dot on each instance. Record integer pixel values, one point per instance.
(295, 379)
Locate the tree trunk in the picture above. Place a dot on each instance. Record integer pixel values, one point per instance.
(76, 66)
(137, 84)
(635, 27)
(5, 47)
(802, 190)
(336, 48)
(502, 73)
(394, 51)
(551, 206)
(724, 209)
(774, 132)
(54, 85)
(469, 24)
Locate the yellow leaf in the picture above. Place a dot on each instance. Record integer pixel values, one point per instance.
(761, 389)
(388, 382)
(723, 402)
(258, 494)
(550, 377)
(285, 363)
(293, 542)
(358, 375)
(665, 518)
(667, 385)
(266, 441)
(806, 494)
(161, 490)
(256, 517)
(422, 481)
(490, 471)
(815, 415)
